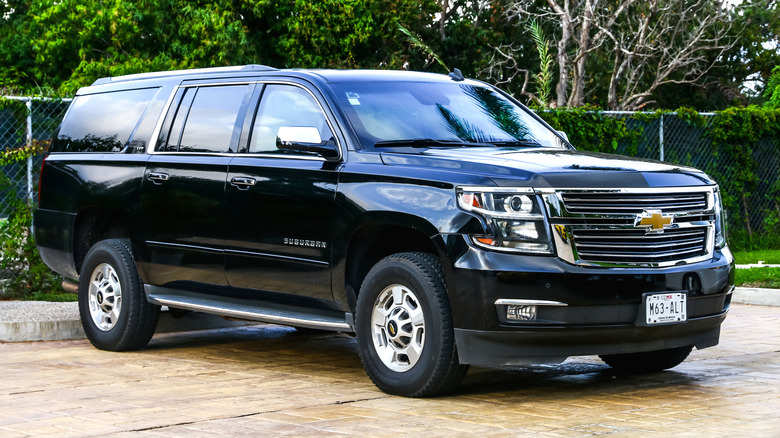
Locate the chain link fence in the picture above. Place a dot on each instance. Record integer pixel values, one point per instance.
(751, 203)
(668, 138)
(28, 120)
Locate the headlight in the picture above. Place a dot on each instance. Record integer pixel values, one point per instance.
(515, 218)
(720, 222)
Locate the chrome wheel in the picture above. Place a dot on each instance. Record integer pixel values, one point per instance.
(105, 297)
(398, 328)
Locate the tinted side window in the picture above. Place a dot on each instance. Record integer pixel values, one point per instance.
(285, 105)
(211, 119)
(102, 122)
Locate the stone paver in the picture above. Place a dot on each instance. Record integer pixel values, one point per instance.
(273, 381)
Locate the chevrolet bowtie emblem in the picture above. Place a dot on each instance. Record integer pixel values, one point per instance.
(654, 220)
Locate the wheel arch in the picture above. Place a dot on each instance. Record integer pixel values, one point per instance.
(94, 224)
(375, 240)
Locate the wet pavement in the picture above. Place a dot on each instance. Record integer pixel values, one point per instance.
(273, 381)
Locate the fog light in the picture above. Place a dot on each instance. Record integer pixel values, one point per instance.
(520, 312)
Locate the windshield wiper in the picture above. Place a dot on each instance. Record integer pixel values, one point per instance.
(428, 142)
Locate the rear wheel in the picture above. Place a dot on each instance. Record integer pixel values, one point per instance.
(404, 327)
(647, 362)
(112, 304)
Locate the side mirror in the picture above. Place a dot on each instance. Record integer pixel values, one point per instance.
(563, 134)
(305, 139)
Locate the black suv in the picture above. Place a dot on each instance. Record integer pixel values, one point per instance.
(436, 218)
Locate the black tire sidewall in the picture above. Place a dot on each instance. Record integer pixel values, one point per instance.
(118, 256)
(386, 273)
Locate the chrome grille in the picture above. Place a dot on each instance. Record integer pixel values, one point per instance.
(623, 203)
(635, 246)
(602, 226)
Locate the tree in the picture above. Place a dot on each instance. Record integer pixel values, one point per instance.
(340, 33)
(77, 41)
(644, 44)
(666, 42)
(16, 57)
(584, 26)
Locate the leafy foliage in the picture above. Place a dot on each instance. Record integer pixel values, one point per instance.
(416, 41)
(772, 92)
(23, 272)
(544, 78)
(736, 132)
(593, 130)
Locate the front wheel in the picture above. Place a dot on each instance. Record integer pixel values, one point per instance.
(404, 327)
(112, 304)
(648, 361)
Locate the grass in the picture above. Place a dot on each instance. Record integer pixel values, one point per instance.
(770, 256)
(61, 297)
(758, 277)
(43, 296)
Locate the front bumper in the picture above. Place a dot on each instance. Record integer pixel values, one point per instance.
(555, 344)
(603, 311)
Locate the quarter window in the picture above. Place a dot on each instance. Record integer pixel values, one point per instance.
(102, 122)
(285, 106)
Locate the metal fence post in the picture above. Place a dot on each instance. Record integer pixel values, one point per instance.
(661, 136)
(29, 157)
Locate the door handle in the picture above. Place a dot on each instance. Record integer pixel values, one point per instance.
(243, 183)
(157, 177)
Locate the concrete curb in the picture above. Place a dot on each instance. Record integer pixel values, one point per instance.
(22, 321)
(757, 296)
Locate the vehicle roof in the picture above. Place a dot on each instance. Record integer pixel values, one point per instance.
(328, 76)
(191, 72)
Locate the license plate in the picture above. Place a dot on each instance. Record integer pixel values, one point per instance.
(666, 308)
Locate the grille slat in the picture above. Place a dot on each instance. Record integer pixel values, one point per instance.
(599, 203)
(622, 245)
(634, 246)
(640, 247)
(623, 258)
(582, 234)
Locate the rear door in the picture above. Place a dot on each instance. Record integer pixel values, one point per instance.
(183, 192)
(281, 202)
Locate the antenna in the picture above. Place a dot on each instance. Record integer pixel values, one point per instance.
(456, 75)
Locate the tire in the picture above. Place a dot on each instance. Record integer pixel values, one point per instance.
(647, 362)
(112, 304)
(404, 327)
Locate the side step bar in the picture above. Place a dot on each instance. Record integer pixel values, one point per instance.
(252, 310)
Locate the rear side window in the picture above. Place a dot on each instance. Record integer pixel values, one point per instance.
(206, 119)
(102, 122)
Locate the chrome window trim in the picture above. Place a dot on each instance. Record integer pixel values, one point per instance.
(160, 120)
(150, 148)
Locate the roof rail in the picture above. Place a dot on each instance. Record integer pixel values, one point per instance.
(163, 74)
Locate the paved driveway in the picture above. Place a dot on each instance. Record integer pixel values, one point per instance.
(272, 381)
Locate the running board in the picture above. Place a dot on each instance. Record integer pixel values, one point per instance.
(252, 310)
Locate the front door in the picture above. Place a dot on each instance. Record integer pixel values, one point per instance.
(281, 203)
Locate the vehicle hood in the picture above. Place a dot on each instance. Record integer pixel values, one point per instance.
(553, 168)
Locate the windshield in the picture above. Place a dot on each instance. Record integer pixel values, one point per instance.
(438, 115)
